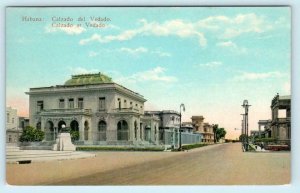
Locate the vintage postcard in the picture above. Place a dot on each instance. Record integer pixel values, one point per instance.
(148, 95)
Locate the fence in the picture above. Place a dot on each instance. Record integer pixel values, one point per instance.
(93, 136)
(169, 137)
(190, 138)
(165, 137)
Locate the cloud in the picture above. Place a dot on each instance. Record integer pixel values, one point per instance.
(246, 23)
(143, 50)
(93, 54)
(80, 70)
(232, 47)
(257, 76)
(212, 64)
(156, 74)
(161, 53)
(227, 44)
(134, 51)
(177, 28)
(222, 26)
(74, 30)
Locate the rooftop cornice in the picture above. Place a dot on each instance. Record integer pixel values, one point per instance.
(83, 88)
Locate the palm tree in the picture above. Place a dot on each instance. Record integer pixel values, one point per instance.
(215, 128)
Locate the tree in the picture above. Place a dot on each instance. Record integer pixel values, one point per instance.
(215, 128)
(243, 137)
(220, 132)
(31, 134)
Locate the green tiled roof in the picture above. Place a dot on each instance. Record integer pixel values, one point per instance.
(83, 79)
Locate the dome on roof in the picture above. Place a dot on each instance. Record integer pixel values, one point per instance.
(83, 79)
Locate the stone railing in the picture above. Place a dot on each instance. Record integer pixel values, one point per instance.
(126, 110)
(282, 120)
(67, 111)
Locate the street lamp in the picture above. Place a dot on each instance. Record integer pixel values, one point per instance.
(183, 108)
(243, 130)
(245, 122)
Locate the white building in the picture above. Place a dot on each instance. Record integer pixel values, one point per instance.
(99, 110)
(13, 131)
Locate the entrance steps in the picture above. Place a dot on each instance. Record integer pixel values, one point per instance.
(12, 148)
(28, 156)
(43, 145)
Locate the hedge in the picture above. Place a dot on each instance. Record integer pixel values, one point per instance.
(265, 140)
(100, 148)
(191, 146)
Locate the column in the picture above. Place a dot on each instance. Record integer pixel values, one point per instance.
(90, 137)
(157, 134)
(81, 129)
(142, 132)
(131, 129)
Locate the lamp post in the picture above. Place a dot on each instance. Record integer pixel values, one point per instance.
(63, 126)
(243, 131)
(245, 122)
(183, 108)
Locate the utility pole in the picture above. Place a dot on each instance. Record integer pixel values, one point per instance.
(183, 108)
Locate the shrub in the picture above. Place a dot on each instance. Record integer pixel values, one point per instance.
(192, 146)
(266, 140)
(74, 135)
(31, 134)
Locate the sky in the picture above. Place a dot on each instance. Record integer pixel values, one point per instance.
(209, 58)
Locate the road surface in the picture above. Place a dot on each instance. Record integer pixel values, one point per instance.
(218, 165)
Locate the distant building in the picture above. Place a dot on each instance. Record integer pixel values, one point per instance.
(187, 127)
(101, 111)
(169, 119)
(13, 131)
(169, 122)
(263, 131)
(169, 129)
(204, 128)
(23, 122)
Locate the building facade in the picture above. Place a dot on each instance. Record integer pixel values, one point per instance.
(169, 122)
(100, 111)
(13, 131)
(204, 128)
(263, 129)
(169, 132)
(280, 127)
(23, 122)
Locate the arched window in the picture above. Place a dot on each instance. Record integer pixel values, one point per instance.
(60, 124)
(38, 125)
(102, 125)
(102, 131)
(147, 133)
(74, 125)
(74, 130)
(122, 130)
(135, 129)
(49, 131)
(86, 130)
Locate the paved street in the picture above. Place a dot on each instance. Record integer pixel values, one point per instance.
(224, 164)
(216, 164)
